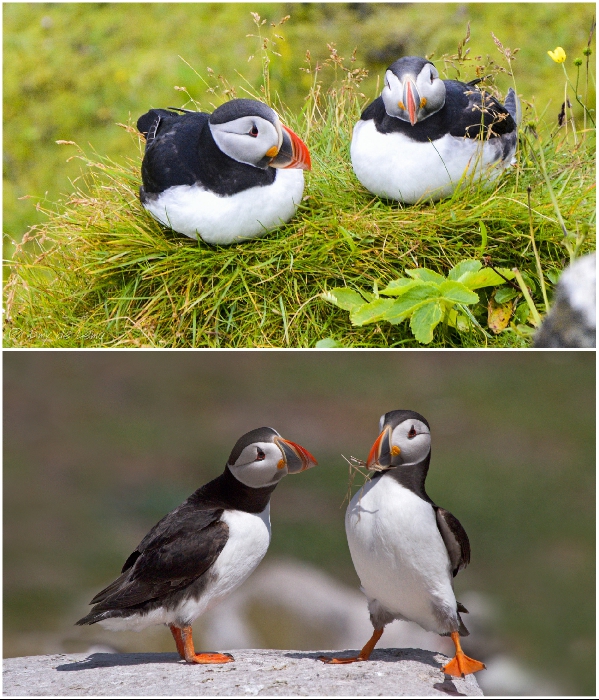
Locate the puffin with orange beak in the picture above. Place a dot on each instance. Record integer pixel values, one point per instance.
(223, 177)
(405, 549)
(425, 136)
(203, 549)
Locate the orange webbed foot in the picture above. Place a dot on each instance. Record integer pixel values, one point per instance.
(364, 655)
(333, 660)
(184, 640)
(208, 658)
(461, 665)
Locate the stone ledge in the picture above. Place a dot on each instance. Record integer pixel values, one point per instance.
(390, 672)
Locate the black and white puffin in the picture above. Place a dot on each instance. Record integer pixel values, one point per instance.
(405, 549)
(204, 548)
(224, 177)
(424, 136)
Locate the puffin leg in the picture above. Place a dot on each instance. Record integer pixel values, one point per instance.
(176, 632)
(364, 655)
(461, 665)
(189, 652)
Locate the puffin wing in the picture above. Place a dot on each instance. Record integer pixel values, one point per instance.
(475, 113)
(178, 550)
(172, 148)
(455, 538)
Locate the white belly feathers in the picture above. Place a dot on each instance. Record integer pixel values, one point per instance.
(221, 220)
(399, 554)
(394, 166)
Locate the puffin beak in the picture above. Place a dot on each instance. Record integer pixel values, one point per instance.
(381, 453)
(411, 98)
(297, 458)
(293, 152)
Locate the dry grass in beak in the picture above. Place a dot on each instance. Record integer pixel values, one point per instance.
(357, 466)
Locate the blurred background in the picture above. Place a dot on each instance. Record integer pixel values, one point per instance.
(98, 446)
(73, 71)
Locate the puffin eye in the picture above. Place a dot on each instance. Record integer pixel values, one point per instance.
(432, 77)
(254, 131)
(260, 455)
(412, 432)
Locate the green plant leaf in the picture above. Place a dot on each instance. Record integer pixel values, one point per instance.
(522, 313)
(457, 293)
(344, 298)
(457, 320)
(402, 307)
(397, 287)
(371, 312)
(424, 274)
(485, 278)
(504, 294)
(425, 319)
(530, 283)
(553, 275)
(483, 237)
(329, 343)
(462, 268)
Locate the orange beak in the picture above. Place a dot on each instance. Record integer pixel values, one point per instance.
(380, 453)
(411, 98)
(297, 458)
(293, 152)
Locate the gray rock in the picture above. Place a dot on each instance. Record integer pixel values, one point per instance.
(390, 672)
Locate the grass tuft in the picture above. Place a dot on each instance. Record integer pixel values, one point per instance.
(102, 272)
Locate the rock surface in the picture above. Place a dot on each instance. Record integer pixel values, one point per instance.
(390, 672)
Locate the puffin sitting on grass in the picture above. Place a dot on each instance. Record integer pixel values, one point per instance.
(203, 549)
(405, 549)
(223, 177)
(424, 136)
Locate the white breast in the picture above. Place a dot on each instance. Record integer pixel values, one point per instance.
(249, 537)
(219, 220)
(393, 166)
(399, 554)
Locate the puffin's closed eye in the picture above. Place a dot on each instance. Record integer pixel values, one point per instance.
(432, 77)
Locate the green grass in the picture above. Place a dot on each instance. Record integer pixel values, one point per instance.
(101, 272)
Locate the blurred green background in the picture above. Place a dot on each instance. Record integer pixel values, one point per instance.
(72, 71)
(99, 445)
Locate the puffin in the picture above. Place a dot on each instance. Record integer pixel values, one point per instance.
(424, 136)
(224, 177)
(406, 549)
(203, 549)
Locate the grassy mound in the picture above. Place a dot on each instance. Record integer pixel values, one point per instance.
(102, 272)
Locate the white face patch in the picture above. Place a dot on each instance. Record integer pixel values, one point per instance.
(259, 464)
(430, 89)
(247, 139)
(413, 439)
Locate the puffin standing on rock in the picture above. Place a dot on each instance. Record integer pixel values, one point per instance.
(424, 136)
(204, 548)
(406, 550)
(224, 177)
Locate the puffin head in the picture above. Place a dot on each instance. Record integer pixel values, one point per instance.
(404, 440)
(250, 132)
(413, 89)
(262, 458)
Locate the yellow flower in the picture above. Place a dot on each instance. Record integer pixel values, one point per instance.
(559, 55)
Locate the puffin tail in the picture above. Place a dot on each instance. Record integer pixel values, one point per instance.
(512, 104)
(91, 618)
(462, 628)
